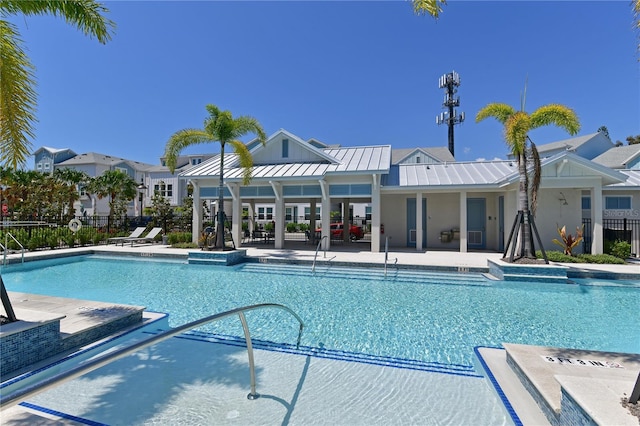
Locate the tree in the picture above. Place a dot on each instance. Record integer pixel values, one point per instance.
(220, 127)
(17, 80)
(605, 131)
(431, 7)
(517, 125)
(70, 181)
(118, 186)
(633, 140)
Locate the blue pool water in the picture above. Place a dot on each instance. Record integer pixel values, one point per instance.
(431, 318)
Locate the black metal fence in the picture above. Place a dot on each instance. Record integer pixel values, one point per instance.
(34, 235)
(614, 230)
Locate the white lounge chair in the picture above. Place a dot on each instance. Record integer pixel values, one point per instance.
(146, 239)
(135, 234)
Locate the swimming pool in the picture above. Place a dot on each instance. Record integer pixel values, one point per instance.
(435, 318)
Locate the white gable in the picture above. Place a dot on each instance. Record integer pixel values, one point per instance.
(284, 147)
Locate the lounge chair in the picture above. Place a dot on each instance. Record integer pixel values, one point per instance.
(135, 234)
(149, 238)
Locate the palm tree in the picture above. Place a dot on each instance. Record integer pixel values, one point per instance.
(118, 186)
(431, 7)
(517, 125)
(70, 181)
(17, 81)
(220, 127)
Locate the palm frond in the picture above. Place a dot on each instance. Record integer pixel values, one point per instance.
(246, 124)
(499, 111)
(516, 129)
(17, 98)
(558, 115)
(86, 15)
(245, 159)
(182, 139)
(431, 7)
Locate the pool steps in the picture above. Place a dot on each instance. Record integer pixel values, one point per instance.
(392, 275)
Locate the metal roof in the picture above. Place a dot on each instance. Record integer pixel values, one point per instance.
(454, 174)
(633, 180)
(440, 153)
(357, 160)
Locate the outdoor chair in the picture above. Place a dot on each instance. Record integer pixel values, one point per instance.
(135, 234)
(149, 238)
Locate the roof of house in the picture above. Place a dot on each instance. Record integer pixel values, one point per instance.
(363, 159)
(107, 160)
(495, 174)
(570, 144)
(619, 156)
(440, 153)
(52, 150)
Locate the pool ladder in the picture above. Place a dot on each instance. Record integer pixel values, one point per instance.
(386, 255)
(5, 248)
(22, 394)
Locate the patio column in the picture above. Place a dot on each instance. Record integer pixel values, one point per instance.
(419, 221)
(596, 209)
(346, 224)
(236, 213)
(312, 219)
(326, 215)
(278, 231)
(463, 221)
(252, 215)
(375, 215)
(196, 219)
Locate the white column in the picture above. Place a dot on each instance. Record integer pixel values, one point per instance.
(463, 221)
(596, 211)
(346, 224)
(279, 215)
(419, 221)
(236, 213)
(196, 219)
(326, 215)
(252, 215)
(312, 219)
(375, 215)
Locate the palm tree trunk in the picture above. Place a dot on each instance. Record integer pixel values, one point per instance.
(220, 213)
(526, 241)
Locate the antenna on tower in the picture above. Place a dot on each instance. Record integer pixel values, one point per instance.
(450, 82)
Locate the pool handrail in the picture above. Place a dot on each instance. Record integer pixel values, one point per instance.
(313, 267)
(14, 398)
(6, 245)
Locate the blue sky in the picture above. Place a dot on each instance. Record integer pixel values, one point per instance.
(349, 73)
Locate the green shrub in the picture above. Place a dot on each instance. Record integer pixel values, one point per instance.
(52, 240)
(303, 226)
(292, 227)
(84, 236)
(178, 237)
(35, 243)
(620, 249)
(557, 256)
(600, 258)
(185, 245)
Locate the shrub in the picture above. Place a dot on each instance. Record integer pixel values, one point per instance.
(620, 249)
(557, 256)
(600, 258)
(303, 226)
(292, 227)
(185, 245)
(569, 242)
(175, 238)
(35, 243)
(52, 240)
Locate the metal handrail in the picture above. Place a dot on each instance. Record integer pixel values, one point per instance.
(6, 244)
(313, 267)
(19, 395)
(386, 255)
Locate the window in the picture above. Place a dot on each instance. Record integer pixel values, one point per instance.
(196, 161)
(418, 160)
(122, 170)
(617, 203)
(307, 213)
(163, 189)
(586, 203)
(285, 148)
(367, 212)
(269, 213)
(46, 166)
(39, 166)
(260, 213)
(288, 214)
(245, 212)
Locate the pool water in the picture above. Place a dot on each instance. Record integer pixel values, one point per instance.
(434, 318)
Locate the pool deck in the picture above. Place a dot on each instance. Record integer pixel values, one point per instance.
(522, 373)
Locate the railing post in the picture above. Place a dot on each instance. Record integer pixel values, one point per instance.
(252, 369)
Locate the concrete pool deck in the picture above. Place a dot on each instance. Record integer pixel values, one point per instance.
(585, 385)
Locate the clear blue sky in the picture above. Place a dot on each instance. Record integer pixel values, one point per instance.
(348, 73)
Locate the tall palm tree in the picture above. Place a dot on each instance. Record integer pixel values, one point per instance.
(70, 181)
(220, 127)
(17, 82)
(517, 125)
(431, 7)
(118, 186)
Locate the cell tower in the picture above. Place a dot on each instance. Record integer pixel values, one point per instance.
(450, 82)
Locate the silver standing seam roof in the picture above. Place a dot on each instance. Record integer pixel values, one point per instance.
(356, 160)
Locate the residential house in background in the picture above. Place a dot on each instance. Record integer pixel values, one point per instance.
(45, 158)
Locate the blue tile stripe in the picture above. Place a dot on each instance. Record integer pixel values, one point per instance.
(61, 415)
(494, 382)
(403, 363)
